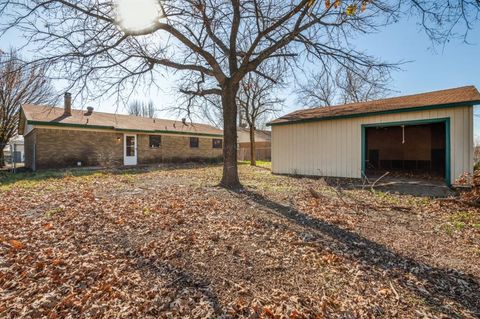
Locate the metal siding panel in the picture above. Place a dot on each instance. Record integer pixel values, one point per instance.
(302, 151)
(315, 148)
(348, 146)
(333, 147)
(296, 154)
(322, 149)
(471, 143)
(340, 145)
(330, 135)
(464, 132)
(303, 155)
(357, 144)
(456, 146)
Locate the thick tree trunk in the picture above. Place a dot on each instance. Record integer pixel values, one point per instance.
(253, 153)
(2, 156)
(230, 172)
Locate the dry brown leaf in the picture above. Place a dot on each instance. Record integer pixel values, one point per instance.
(17, 244)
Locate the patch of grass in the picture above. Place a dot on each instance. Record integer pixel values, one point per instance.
(460, 221)
(459, 225)
(447, 228)
(401, 200)
(463, 216)
(264, 164)
(261, 179)
(388, 198)
(33, 179)
(52, 212)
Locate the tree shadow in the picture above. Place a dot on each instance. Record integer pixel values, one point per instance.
(441, 285)
(178, 278)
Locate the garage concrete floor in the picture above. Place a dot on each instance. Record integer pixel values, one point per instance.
(413, 186)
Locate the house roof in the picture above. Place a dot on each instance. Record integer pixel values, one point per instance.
(54, 116)
(260, 135)
(467, 95)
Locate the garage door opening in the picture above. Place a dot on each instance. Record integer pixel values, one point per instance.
(410, 150)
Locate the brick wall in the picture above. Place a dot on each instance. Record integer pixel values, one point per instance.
(29, 141)
(175, 148)
(56, 148)
(64, 148)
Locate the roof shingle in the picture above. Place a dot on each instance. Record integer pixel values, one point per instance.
(55, 116)
(467, 94)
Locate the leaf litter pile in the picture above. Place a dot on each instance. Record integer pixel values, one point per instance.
(169, 243)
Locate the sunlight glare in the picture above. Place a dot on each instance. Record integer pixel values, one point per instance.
(137, 15)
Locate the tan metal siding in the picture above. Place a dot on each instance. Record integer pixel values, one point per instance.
(333, 147)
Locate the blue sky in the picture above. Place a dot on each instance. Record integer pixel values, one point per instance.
(429, 68)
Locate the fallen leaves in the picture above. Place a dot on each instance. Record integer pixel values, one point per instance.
(169, 243)
(17, 244)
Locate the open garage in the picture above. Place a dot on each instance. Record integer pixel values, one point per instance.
(416, 148)
(427, 135)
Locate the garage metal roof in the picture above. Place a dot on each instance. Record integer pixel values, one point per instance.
(461, 96)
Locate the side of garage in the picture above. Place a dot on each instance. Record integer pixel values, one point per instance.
(435, 139)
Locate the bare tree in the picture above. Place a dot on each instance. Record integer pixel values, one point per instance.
(354, 87)
(213, 43)
(257, 100)
(319, 90)
(343, 86)
(20, 83)
(140, 108)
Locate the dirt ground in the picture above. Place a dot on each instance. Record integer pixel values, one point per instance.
(169, 243)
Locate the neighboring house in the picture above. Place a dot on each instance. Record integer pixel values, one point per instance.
(15, 144)
(262, 144)
(61, 137)
(428, 134)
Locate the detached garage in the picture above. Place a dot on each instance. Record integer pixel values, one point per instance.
(427, 135)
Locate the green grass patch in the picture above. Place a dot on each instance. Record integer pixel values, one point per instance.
(52, 212)
(460, 221)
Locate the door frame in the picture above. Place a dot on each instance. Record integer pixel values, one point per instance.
(130, 160)
(445, 120)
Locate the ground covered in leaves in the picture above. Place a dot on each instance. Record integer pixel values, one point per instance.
(169, 243)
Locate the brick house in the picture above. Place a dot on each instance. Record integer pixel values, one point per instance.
(58, 137)
(263, 142)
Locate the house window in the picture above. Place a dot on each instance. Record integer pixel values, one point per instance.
(155, 141)
(217, 143)
(194, 142)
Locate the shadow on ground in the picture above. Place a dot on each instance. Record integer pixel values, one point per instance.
(440, 286)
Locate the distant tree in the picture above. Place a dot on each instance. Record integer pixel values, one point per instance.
(344, 86)
(356, 87)
(140, 108)
(20, 83)
(319, 90)
(257, 100)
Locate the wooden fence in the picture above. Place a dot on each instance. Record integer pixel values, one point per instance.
(262, 154)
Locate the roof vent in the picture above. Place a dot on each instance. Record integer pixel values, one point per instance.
(67, 104)
(184, 121)
(89, 110)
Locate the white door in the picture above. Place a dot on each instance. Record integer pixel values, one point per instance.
(130, 149)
